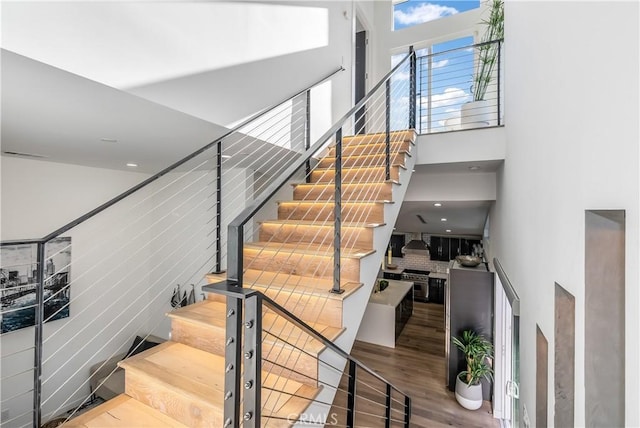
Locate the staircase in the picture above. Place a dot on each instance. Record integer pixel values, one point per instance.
(181, 382)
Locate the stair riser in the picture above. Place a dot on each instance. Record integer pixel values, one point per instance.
(356, 175)
(361, 237)
(369, 213)
(301, 264)
(313, 309)
(376, 160)
(365, 192)
(212, 339)
(185, 409)
(371, 149)
(379, 138)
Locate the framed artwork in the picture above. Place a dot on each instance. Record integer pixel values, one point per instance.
(18, 279)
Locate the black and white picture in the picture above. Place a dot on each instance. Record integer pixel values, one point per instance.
(18, 279)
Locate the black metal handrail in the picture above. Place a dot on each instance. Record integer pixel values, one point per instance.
(254, 300)
(39, 305)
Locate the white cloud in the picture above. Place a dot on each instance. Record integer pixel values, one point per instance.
(450, 96)
(423, 12)
(441, 63)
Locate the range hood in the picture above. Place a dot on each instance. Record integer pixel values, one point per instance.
(415, 246)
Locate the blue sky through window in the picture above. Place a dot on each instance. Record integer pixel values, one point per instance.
(414, 12)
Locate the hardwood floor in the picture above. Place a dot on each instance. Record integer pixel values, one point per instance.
(417, 367)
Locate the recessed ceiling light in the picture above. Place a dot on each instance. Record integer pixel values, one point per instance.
(474, 168)
(437, 204)
(443, 219)
(225, 156)
(448, 230)
(109, 140)
(132, 165)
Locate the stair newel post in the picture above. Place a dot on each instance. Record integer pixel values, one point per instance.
(38, 339)
(233, 335)
(387, 148)
(351, 395)
(337, 214)
(407, 411)
(412, 88)
(252, 361)
(387, 415)
(307, 135)
(218, 266)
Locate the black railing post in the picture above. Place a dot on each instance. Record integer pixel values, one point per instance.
(387, 149)
(233, 361)
(351, 395)
(218, 206)
(38, 339)
(387, 415)
(307, 136)
(337, 214)
(412, 89)
(407, 411)
(252, 361)
(498, 100)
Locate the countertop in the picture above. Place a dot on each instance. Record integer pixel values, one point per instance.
(397, 270)
(481, 267)
(393, 294)
(439, 275)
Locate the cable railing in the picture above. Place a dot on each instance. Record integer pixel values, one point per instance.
(130, 257)
(455, 92)
(299, 262)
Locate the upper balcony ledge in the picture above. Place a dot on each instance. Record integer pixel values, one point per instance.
(473, 145)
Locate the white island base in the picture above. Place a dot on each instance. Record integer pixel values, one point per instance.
(386, 314)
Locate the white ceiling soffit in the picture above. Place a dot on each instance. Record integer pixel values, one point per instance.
(463, 217)
(130, 43)
(69, 119)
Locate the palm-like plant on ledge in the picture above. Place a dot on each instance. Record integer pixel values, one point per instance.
(477, 350)
(480, 112)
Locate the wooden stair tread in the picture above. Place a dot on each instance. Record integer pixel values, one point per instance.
(377, 201)
(329, 169)
(375, 155)
(211, 313)
(254, 278)
(123, 411)
(308, 249)
(199, 376)
(206, 312)
(346, 184)
(406, 135)
(324, 223)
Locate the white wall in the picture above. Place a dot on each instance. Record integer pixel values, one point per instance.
(573, 104)
(452, 187)
(226, 94)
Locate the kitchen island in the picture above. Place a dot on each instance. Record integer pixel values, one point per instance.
(386, 314)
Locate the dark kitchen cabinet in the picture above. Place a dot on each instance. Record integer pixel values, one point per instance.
(443, 248)
(403, 312)
(396, 243)
(439, 248)
(437, 290)
(392, 275)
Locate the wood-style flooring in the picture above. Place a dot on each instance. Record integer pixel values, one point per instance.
(417, 367)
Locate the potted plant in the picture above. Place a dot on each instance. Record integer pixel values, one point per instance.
(477, 350)
(479, 112)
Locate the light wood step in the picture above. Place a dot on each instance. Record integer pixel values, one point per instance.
(352, 211)
(380, 137)
(350, 191)
(358, 235)
(202, 326)
(306, 297)
(356, 174)
(187, 384)
(368, 148)
(123, 411)
(310, 260)
(364, 160)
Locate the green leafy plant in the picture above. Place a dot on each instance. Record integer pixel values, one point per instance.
(488, 51)
(477, 350)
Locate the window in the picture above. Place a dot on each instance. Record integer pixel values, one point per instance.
(407, 13)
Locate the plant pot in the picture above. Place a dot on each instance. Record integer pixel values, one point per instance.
(476, 114)
(468, 396)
